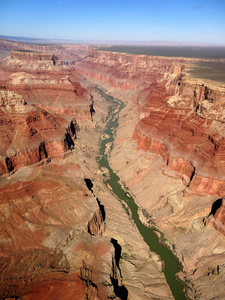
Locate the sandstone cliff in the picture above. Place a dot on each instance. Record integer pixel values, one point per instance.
(57, 238)
(169, 152)
(54, 93)
(126, 71)
(21, 60)
(63, 51)
(30, 134)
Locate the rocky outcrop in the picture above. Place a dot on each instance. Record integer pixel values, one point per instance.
(207, 99)
(63, 51)
(217, 215)
(125, 71)
(32, 56)
(169, 152)
(57, 94)
(24, 60)
(30, 134)
(96, 226)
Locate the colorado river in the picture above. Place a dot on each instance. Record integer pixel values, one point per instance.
(170, 262)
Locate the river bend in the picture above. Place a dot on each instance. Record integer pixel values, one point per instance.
(171, 264)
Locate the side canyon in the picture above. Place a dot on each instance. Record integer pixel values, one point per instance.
(64, 234)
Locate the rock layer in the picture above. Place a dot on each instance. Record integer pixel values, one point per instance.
(28, 60)
(169, 152)
(30, 134)
(58, 240)
(125, 71)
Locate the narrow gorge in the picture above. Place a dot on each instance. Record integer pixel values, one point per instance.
(171, 265)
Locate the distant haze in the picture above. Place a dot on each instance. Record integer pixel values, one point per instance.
(121, 22)
(105, 43)
(170, 51)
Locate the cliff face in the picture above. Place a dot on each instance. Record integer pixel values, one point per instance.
(32, 56)
(58, 239)
(46, 82)
(58, 94)
(125, 71)
(169, 151)
(32, 61)
(63, 51)
(30, 134)
(207, 99)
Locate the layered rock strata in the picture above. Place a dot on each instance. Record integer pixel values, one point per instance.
(169, 152)
(58, 94)
(125, 71)
(58, 240)
(30, 134)
(28, 60)
(63, 51)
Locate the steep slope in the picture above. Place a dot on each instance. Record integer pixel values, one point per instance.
(58, 239)
(32, 61)
(30, 134)
(63, 51)
(169, 152)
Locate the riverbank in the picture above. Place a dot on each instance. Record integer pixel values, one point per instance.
(167, 151)
(171, 265)
(140, 270)
(161, 197)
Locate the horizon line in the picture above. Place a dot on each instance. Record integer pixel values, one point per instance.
(109, 42)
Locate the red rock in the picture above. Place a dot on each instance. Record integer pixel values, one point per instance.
(47, 215)
(122, 70)
(30, 134)
(181, 119)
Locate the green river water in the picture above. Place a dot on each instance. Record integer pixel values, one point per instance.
(170, 261)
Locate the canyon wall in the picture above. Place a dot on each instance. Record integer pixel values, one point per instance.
(63, 51)
(125, 71)
(58, 239)
(169, 152)
(31, 60)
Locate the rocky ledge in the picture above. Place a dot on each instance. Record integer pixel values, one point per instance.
(30, 134)
(169, 152)
(32, 61)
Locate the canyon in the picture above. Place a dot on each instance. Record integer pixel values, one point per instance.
(169, 153)
(64, 234)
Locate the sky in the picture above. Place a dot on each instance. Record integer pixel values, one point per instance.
(201, 21)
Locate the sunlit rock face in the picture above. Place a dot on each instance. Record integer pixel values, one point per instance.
(54, 92)
(125, 71)
(47, 214)
(32, 60)
(169, 151)
(58, 239)
(42, 79)
(30, 134)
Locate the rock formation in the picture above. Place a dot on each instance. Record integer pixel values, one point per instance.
(30, 134)
(58, 239)
(32, 61)
(67, 52)
(169, 151)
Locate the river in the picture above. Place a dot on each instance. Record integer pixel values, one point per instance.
(171, 264)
